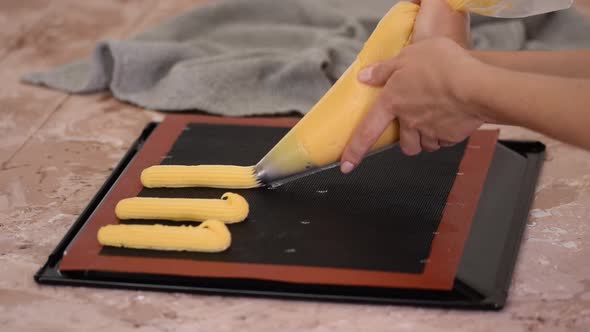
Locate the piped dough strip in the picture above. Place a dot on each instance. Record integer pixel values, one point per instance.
(231, 208)
(210, 236)
(212, 176)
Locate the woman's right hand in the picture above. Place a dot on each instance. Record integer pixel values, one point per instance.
(426, 88)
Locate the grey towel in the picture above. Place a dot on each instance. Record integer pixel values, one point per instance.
(249, 57)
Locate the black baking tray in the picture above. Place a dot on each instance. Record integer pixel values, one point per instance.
(482, 280)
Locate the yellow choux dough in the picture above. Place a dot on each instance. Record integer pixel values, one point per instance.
(231, 208)
(210, 236)
(320, 136)
(213, 176)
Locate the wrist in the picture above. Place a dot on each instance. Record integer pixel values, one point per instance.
(473, 87)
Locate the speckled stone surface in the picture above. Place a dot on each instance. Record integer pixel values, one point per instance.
(56, 150)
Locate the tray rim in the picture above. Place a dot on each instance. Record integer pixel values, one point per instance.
(533, 151)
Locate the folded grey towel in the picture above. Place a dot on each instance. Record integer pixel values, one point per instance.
(251, 57)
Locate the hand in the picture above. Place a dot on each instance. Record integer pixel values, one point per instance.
(424, 88)
(437, 19)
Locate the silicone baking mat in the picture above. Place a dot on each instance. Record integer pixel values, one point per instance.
(396, 222)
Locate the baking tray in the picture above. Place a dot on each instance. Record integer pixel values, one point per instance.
(480, 279)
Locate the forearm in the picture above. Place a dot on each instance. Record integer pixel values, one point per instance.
(558, 63)
(555, 106)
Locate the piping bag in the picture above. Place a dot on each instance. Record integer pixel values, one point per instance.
(317, 141)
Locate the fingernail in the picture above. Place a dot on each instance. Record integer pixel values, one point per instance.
(410, 152)
(366, 74)
(346, 167)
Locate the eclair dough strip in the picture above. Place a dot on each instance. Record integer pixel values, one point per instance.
(231, 208)
(212, 176)
(210, 236)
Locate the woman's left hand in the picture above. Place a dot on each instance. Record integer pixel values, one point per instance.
(437, 19)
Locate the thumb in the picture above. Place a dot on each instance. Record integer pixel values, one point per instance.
(379, 73)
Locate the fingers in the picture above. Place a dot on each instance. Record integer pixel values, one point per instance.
(409, 140)
(378, 74)
(436, 6)
(437, 19)
(365, 136)
(429, 144)
(445, 144)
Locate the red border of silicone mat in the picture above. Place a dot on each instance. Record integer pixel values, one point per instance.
(439, 272)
